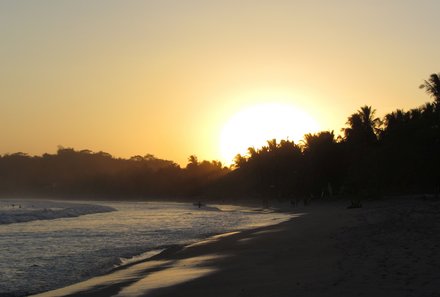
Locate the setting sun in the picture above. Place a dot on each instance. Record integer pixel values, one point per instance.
(145, 145)
(253, 126)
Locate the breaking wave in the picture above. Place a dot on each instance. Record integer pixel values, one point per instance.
(17, 211)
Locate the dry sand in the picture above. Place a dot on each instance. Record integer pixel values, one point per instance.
(383, 249)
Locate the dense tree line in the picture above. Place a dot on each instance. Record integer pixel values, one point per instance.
(89, 175)
(396, 154)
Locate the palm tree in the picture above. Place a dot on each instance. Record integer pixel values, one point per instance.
(368, 120)
(319, 140)
(272, 145)
(239, 161)
(193, 162)
(363, 126)
(252, 152)
(432, 86)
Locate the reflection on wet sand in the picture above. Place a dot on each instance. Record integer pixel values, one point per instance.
(211, 239)
(130, 274)
(181, 271)
(139, 279)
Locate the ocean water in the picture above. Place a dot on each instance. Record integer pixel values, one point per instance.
(61, 243)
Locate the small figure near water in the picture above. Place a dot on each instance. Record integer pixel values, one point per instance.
(199, 204)
(293, 202)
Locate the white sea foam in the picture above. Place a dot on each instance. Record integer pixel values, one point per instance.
(19, 211)
(138, 258)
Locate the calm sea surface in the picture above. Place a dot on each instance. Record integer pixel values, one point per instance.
(41, 255)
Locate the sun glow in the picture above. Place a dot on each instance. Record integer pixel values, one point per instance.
(252, 127)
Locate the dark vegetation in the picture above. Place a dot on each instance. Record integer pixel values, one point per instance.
(89, 175)
(398, 154)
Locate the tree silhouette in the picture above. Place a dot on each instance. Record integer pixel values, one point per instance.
(325, 163)
(396, 155)
(432, 86)
(363, 127)
(239, 161)
(193, 162)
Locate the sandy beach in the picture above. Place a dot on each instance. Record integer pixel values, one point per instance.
(387, 248)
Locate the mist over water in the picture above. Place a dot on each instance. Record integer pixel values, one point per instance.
(41, 255)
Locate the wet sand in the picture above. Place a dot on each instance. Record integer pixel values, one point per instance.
(383, 249)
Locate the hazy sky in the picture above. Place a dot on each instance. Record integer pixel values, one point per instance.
(163, 77)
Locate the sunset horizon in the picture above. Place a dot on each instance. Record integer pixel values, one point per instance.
(267, 148)
(164, 78)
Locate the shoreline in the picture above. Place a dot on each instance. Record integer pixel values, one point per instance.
(194, 255)
(163, 251)
(101, 285)
(387, 248)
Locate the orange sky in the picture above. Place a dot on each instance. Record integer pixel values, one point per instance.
(164, 77)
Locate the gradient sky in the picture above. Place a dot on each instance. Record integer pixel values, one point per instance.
(163, 77)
